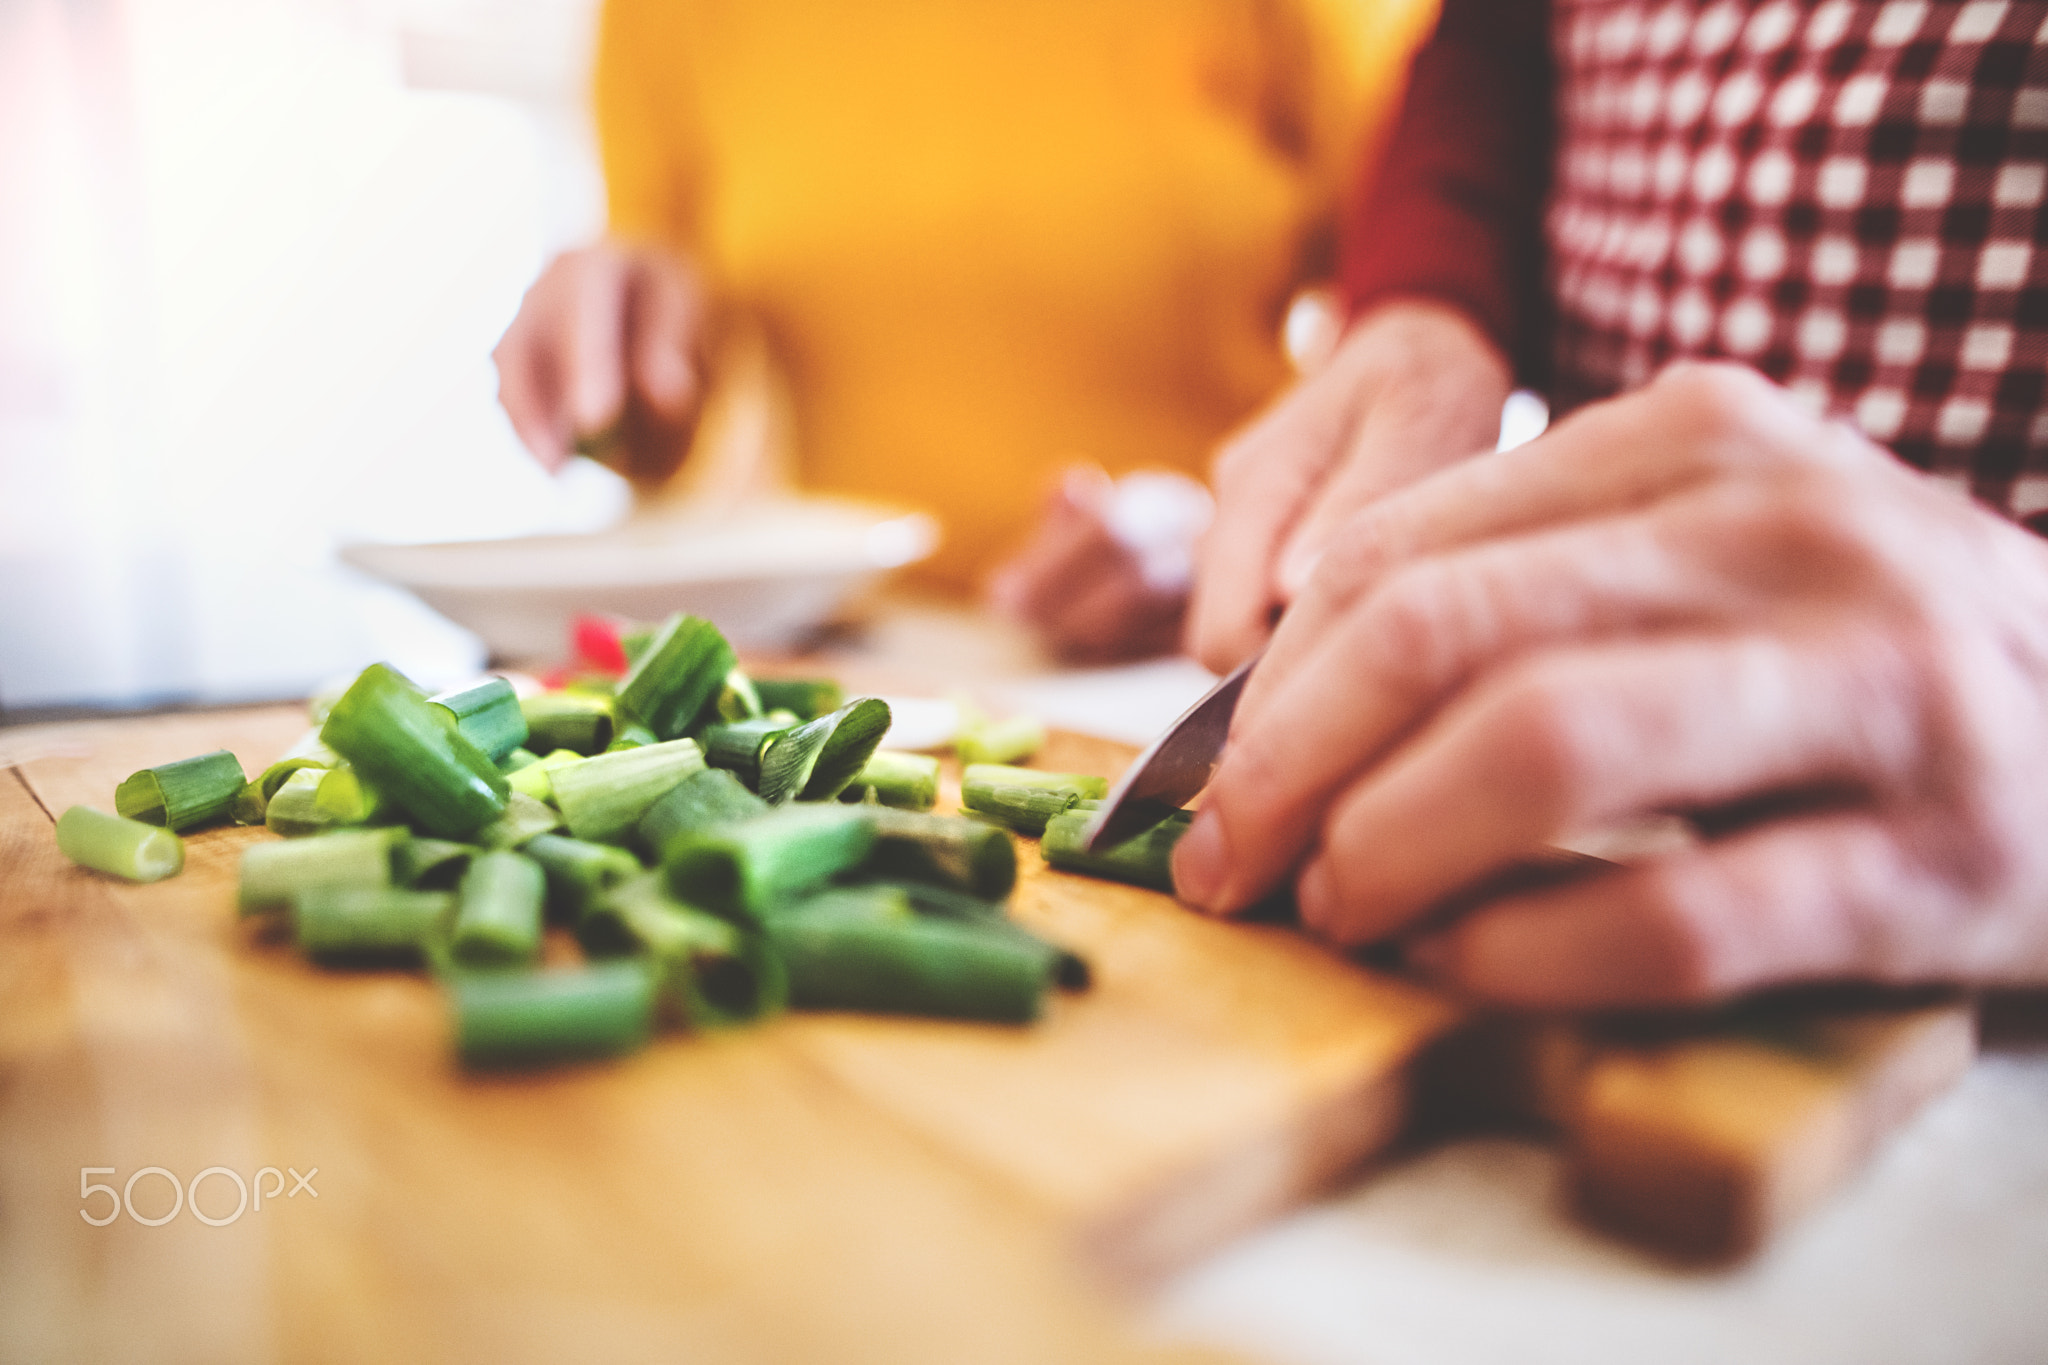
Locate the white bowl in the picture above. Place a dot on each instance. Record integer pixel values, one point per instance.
(767, 573)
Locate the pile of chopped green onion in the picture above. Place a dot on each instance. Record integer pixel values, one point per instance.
(718, 847)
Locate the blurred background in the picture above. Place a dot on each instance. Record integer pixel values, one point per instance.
(254, 255)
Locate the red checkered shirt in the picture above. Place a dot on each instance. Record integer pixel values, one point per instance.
(1847, 195)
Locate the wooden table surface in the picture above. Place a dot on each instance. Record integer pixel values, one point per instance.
(824, 1188)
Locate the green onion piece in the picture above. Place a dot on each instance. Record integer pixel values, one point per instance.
(519, 758)
(366, 924)
(1001, 741)
(523, 819)
(323, 699)
(347, 796)
(184, 794)
(739, 746)
(578, 873)
(714, 973)
(678, 678)
(1024, 798)
(869, 901)
(893, 778)
(250, 804)
(295, 810)
(951, 850)
(603, 798)
(1144, 860)
(631, 736)
(748, 869)
(498, 911)
(567, 720)
(698, 802)
(430, 864)
(806, 698)
(738, 699)
(535, 780)
(119, 847)
(915, 966)
(488, 715)
(559, 758)
(1070, 971)
(506, 1019)
(815, 761)
(412, 751)
(633, 643)
(272, 873)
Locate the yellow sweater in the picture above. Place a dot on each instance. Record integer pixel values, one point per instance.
(985, 237)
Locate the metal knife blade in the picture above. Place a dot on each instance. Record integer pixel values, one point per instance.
(1173, 769)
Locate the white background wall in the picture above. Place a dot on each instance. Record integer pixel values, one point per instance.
(253, 257)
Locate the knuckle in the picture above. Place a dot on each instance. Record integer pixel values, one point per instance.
(1413, 625)
(1551, 735)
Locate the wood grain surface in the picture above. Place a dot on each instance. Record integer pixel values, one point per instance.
(825, 1188)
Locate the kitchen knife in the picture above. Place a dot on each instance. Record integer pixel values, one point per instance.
(1177, 765)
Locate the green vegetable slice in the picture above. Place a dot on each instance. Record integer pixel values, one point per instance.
(567, 720)
(892, 778)
(182, 795)
(119, 847)
(739, 746)
(498, 911)
(365, 925)
(415, 754)
(1024, 798)
(1146, 859)
(603, 798)
(950, 850)
(698, 802)
(913, 966)
(1000, 741)
(715, 973)
(510, 1019)
(748, 869)
(677, 678)
(272, 873)
(488, 715)
(805, 698)
(578, 872)
(817, 759)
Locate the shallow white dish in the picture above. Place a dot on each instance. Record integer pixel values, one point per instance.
(767, 573)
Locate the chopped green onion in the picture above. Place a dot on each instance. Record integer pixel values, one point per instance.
(184, 794)
(117, 846)
(1024, 798)
(738, 699)
(519, 758)
(868, 900)
(748, 869)
(815, 761)
(498, 911)
(347, 796)
(536, 1018)
(412, 751)
(430, 864)
(295, 810)
(567, 720)
(914, 966)
(1000, 741)
(739, 746)
(700, 801)
(579, 872)
(806, 698)
(678, 678)
(949, 849)
(1144, 860)
(631, 737)
(893, 778)
(603, 798)
(535, 780)
(633, 643)
(251, 805)
(272, 873)
(1070, 970)
(523, 819)
(716, 973)
(367, 923)
(488, 715)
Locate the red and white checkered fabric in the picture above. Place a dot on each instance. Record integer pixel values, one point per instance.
(1847, 195)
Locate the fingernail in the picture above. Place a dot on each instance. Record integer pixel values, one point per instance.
(1199, 864)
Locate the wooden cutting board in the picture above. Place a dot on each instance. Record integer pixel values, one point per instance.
(823, 1188)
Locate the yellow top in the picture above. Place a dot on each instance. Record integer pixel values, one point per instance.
(985, 237)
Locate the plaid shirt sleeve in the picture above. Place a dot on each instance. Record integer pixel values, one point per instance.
(1454, 208)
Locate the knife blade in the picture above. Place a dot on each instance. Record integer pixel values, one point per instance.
(1175, 767)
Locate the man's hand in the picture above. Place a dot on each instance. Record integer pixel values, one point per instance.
(1412, 387)
(1105, 575)
(604, 350)
(1697, 598)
